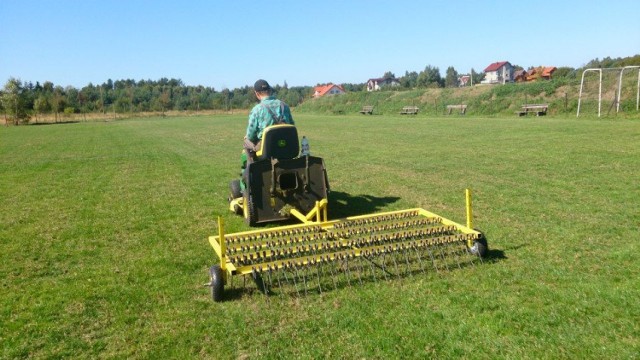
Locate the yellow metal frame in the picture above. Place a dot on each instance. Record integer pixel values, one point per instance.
(316, 215)
(316, 220)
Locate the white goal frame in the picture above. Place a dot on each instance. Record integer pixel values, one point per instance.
(617, 100)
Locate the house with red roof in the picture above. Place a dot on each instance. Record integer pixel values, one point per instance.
(328, 89)
(541, 72)
(498, 73)
(547, 72)
(464, 80)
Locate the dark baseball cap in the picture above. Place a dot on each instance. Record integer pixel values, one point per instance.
(261, 85)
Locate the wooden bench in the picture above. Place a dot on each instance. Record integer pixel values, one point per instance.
(538, 109)
(367, 110)
(462, 108)
(409, 110)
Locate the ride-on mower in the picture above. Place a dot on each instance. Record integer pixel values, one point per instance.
(283, 183)
(280, 182)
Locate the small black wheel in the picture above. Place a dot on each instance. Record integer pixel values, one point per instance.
(217, 283)
(236, 191)
(480, 247)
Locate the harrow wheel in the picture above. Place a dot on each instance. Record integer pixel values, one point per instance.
(217, 283)
(480, 247)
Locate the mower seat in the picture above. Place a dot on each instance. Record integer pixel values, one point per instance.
(279, 142)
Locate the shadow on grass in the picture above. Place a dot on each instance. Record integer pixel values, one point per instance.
(343, 205)
(494, 255)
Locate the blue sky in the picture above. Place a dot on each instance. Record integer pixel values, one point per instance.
(232, 43)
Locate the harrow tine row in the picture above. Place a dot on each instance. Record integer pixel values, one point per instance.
(434, 234)
(302, 279)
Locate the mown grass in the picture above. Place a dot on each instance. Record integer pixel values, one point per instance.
(104, 245)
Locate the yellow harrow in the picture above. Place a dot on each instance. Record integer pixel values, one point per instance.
(319, 255)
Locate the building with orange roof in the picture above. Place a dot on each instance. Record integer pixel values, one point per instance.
(328, 89)
(547, 72)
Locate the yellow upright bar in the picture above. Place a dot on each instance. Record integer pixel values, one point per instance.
(223, 246)
(469, 211)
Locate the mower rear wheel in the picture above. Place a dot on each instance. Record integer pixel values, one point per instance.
(480, 247)
(217, 283)
(250, 216)
(236, 191)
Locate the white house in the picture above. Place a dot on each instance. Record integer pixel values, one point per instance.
(376, 84)
(498, 73)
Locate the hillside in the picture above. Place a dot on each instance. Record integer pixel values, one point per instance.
(487, 100)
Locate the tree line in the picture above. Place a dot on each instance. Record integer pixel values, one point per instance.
(24, 101)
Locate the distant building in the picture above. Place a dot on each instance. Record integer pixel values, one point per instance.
(540, 72)
(464, 80)
(329, 89)
(547, 72)
(498, 73)
(520, 75)
(376, 84)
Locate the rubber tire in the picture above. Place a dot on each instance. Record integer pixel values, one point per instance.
(480, 247)
(217, 283)
(236, 191)
(251, 213)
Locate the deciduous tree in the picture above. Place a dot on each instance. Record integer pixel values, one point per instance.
(451, 78)
(13, 101)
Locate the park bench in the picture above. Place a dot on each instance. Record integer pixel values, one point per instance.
(462, 108)
(538, 109)
(367, 110)
(409, 110)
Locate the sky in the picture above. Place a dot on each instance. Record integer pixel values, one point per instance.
(232, 43)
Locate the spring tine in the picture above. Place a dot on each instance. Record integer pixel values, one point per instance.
(333, 276)
(444, 261)
(395, 264)
(452, 251)
(318, 276)
(406, 259)
(419, 259)
(359, 268)
(373, 271)
(279, 283)
(384, 263)
(269, 279)
(304, 278)
(347, 272)
(462, 251)
(265, 289)
(296, 278)
(294, 281)
(433, 260)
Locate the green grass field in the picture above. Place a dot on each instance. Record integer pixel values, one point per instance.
(104, 226)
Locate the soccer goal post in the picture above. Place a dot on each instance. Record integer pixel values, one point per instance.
(618, 91)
